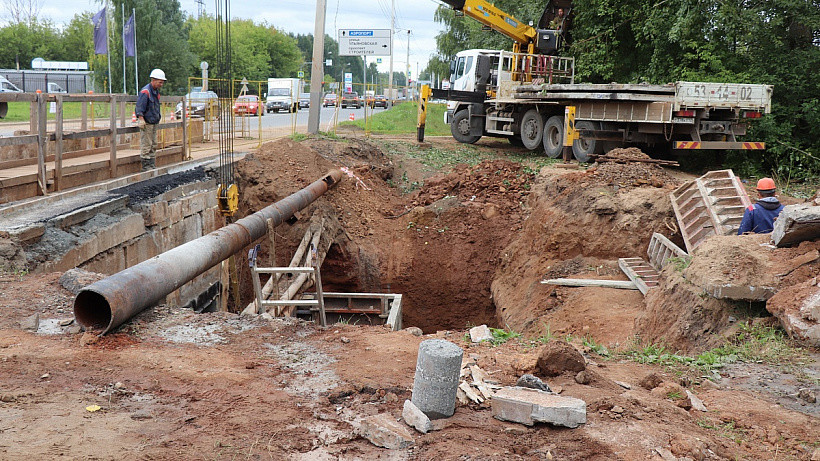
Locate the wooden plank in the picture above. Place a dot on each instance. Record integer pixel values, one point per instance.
(58, 145)
(84, 122)
(19, 140)
(41, 145)
(622, 284)
(113, 137)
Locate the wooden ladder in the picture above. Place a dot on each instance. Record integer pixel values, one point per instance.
(712, 204)
(661, 249)
(642, 274)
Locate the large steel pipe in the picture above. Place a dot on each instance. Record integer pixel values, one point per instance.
(106, 304)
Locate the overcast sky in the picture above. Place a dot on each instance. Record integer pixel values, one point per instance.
(298, 16)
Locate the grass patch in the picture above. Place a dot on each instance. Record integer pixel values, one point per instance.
(727, 430)
(599, 349)
(403, 119)
(753, 343)
(298, 137)
(680, 262)
(20, 111)
(501, 336)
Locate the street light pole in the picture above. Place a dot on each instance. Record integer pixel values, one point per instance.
(392, 31)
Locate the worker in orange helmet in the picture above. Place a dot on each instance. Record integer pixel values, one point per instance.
(759, 218)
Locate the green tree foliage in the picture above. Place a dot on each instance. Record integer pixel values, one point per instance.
(775, 42)
(259, 51)
(21, 42)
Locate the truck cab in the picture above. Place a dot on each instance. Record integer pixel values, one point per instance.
(283, 94)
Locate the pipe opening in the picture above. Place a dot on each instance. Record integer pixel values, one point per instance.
(329, 180)
(92, 311)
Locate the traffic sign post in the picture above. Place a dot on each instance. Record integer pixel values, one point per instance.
(365, 42)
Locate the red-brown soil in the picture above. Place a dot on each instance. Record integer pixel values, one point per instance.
(172, 384)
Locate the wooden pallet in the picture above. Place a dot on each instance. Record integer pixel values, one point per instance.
(712, 204)
(640, 272)
(661, 249)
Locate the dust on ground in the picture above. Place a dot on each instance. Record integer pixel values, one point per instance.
(174, 384)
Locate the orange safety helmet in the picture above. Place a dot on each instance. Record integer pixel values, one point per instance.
(765, 185)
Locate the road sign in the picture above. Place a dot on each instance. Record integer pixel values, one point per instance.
(364, 42)
(378, 60)
(244, 83)
(301, 74)
(348, 82)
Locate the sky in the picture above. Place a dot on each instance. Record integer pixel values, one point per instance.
(298, 17)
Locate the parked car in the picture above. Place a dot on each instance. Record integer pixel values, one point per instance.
(304, 100)
(200, 104)
(380, 101)
(351, 99)
(248, 105)
(330, 100)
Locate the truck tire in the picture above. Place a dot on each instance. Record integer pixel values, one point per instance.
(460, 128)
(532, 129)
(583, 148)
(553, 136)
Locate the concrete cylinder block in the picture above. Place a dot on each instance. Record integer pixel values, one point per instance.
(436, 382)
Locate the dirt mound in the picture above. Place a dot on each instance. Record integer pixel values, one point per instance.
(630, 175)
(627, 153)
(498, 182)
(581, 214)
(729, 259)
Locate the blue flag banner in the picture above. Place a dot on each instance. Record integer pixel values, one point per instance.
(100, 32)
(129, 37)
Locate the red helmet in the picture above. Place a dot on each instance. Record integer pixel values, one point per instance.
(765, 185)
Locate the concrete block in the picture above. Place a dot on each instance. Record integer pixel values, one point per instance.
(801, 329)
(194, 204)
(104, 239)
(528, 406)
(436, 381)
(480, 333)
(144, 248)
(27, 234)
(175, 211)
(83, 214)
(383, 430)
(740, 292)
(795, 224)
(416, 418)
(155, 213)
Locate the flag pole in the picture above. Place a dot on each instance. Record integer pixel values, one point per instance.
(108, 48)
(136, 68)
(124, 90)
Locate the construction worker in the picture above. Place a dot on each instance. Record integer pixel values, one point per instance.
(759, 218)
(557, 22)
(148, 116)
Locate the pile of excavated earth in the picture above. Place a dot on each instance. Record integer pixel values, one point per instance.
(468, 251)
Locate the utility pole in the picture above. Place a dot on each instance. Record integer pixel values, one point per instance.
(392, 31)
(408, 61)
(317, 71)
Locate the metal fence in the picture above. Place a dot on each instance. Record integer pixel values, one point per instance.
(32, 80)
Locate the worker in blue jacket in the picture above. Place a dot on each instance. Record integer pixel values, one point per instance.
(148, 116)
(759, 218)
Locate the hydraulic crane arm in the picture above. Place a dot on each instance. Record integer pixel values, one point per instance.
(526, 38)
(487, 14)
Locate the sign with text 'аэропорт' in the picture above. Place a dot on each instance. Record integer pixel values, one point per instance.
(364, 42)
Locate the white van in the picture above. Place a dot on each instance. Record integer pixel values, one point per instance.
(8, 87)
(55, 88)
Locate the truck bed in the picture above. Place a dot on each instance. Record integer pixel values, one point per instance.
(682, 95)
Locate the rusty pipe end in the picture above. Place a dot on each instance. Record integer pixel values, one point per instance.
(332, 178)
(93, 311)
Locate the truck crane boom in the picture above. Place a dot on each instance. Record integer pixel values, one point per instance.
(526, 38)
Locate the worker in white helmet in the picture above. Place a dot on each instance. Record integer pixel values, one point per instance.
(148, 116)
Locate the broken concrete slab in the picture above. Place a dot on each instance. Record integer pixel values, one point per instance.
(795, 224)
(697, 404)
(384, 431)
(739, 292)
(529, 406)
(480, 333)
(31, 323)
(416, 418)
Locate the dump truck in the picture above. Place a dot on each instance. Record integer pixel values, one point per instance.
(530, 94)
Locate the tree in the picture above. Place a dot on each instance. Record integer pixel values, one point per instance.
(22, 11)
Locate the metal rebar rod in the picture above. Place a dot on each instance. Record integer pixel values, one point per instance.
(108, 303)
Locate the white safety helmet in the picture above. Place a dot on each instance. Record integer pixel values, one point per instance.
(158, 74)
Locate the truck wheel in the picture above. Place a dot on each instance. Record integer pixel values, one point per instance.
(460, 128)
(554, 136)
(532, 129)
(583, 148)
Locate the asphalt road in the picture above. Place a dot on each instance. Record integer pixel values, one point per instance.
(285, 119)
